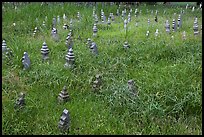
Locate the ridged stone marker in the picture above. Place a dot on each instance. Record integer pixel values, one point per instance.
(64, 123)
(63, 95)
(70, 59)
(95, 30)
(126, 45)
(44, 52)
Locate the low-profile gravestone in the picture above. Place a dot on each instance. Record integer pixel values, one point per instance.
(184, 35)
(70, 59)
(89, 43)
(64, 123)
(35, 31)
(157, 32)
(65, 26)
(63, 95)
(147, 34)
(26, 61)
(20, 102)
(132, 88)
(44, 52)
(58, 19)
(126, 45)
(96, 84)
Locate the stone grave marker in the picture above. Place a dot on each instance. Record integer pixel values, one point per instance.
(64, 123)
(26, 61)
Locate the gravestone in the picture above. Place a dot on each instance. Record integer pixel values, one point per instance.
(44, 25)
(109, 23)
(96, 19)
(174, 25)
(70, 24)
(157, 32)
(167, 26)
(44, 52)
(69, 41)
(78, 16)
(6, 53)
(179, 21)
(126, 45)
(195, 27)
(147, 34)
(148, 21)
(129, 17)
(186, 6)
(54, 22)
(55, 35)
(193, 9)
(64, 17)
(35, 31)
(117, 12)
(65, 26)
(132, 88)
(96, 84)
(184, 35)
(26, 61)
(4, 46)
(70, 59)
(95, 30)
(94, 48)
(20, 102)
(63, 95)
(58, 19)
(89, 43)
(64, 123)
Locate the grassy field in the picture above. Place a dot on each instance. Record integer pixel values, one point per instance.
(166, 70)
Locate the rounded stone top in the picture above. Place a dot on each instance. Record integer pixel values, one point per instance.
(130, 81)
(3, 43)
(44, 43)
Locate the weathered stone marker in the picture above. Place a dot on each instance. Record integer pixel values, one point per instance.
(26, 61)
(64, 123)
(63, 95)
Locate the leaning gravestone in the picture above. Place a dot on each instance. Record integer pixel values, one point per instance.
(65, 26)
(63, 95)
(179, 21)
(64, 123)
(70, 59)
(26, 61)
(44, 52)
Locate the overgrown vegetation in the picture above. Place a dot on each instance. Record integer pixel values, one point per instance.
(167, 72)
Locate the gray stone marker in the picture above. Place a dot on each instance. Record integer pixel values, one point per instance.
(70, 59)
(54, 22)
(58, 19)
(129, 17)
(44, 25)
(78, 16)
(94, 48)
(26, 61)
(65, 26)
(89, 43)
(6, 52)
(35, 31)
(184, 35)
(117, 12)
(132, 88)
(96, 19)
(63, 95)
(179, 21)
(55, 35)
(157, 32)
(174, 25)
(147, 34)
(96, 84)
(126, 45)
(125, 24)
(64, 123)
(20, 102)
(195, 26)
(148, 21)
(167, 26)
(64, 17)
(45, 52)
(109, 22)
(69, 42)
(95, 30)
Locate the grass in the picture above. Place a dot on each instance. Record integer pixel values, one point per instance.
(167, 73)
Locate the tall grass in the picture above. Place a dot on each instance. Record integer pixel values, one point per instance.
(167, 73)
